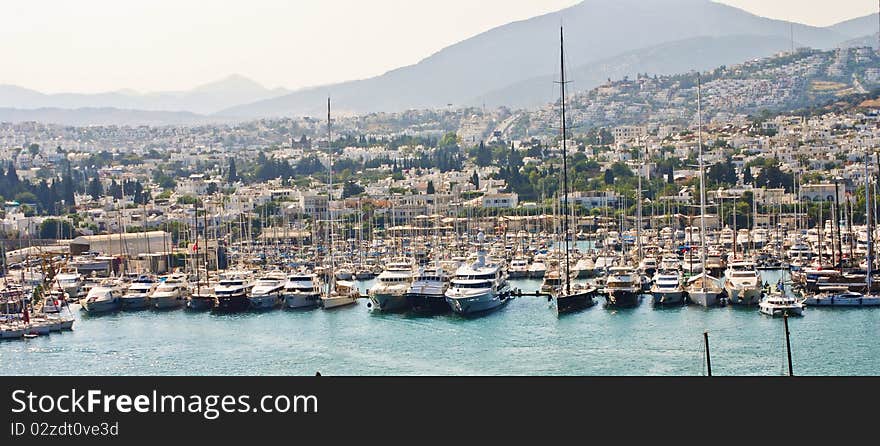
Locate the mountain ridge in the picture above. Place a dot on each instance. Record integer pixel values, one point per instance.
(525, 49)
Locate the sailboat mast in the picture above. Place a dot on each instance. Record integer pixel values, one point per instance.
(868, 221)
(639, 204)
(703, 253)
(564, 160)
(329, 199)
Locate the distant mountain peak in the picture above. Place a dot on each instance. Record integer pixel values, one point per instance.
(235, 82)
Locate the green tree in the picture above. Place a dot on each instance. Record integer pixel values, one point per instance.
(609, 177)
(95, 189)
(232, 171)
(26, 197)
(747, 175)
(430, 189)
(54, 229)
(351, 189)
(484, 155)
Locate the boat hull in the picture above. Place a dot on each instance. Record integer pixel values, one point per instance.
(200, 303)
(167, 303)
(779, 311)
(478, 304)
(388, 302)
(703, 298)
(743, 296)
(328, 303)
(831, 301)
(11, 333)
(263, 303)
(232, 304)
(104, 306)
(575, 302)
(428, 303)
(518, 274)
(622, 298)
(667, 297)
(299, 300)
(135, 303)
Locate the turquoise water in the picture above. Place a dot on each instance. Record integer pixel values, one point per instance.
(524, 338)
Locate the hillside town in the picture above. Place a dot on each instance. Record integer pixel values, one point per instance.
(450, 165)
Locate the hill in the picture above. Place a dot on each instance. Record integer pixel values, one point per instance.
(595, 30)
(699, 53)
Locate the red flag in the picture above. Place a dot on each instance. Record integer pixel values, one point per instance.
(195, 246)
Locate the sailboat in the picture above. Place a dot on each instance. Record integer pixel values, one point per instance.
(702, 289)
(577, 297)
(338, 293)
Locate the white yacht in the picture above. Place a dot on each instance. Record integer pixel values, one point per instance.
(742, 283)
(670, 262)
(301, 291)
(171, 292)
(389, 292)
(538, 268)
(519, 268)
(103, 298)
(69, 280)
(703, 290)
(605, 261)
(137, 295)
(648, 266)
(800, 250)
(267, 290)
(584, 268)
(667, 287)
(777, 304)
(342, 294)
(478, 288)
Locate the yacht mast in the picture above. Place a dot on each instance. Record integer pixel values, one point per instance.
(702, 183)
(562, 83)
(639, 204)
(332, 278)
(868, 221)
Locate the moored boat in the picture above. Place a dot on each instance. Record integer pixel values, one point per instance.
(478, 288)
(667, 289)
(623, 287)
(301, 290)
(427, 292)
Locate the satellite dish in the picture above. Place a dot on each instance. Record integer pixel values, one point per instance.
(481, 237)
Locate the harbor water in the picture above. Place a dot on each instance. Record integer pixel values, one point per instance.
(524, 338)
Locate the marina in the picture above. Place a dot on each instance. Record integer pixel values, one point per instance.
(524, 338)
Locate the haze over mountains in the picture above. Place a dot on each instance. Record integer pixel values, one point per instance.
(204, 99)
(511, 65)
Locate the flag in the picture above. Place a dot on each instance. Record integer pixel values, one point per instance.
(195, 246)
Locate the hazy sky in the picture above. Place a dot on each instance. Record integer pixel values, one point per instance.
(151, 45)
